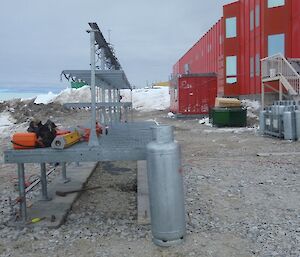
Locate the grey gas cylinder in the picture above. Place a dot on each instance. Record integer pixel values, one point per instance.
(165, 188)
(289, 125)
(262, 117)
(297, 116)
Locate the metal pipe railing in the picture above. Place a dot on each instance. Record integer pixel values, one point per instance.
(278, 65)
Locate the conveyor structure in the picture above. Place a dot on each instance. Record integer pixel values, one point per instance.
(126, 140)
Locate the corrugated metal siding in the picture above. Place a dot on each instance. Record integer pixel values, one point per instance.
(296, 28)
(209, 53)
(196, 94)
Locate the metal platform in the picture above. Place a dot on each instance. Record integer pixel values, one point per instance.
(109, 78)
(124, 141)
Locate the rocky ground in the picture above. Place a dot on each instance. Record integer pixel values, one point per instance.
(237, 204)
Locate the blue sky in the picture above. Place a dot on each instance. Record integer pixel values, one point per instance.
(38, 38)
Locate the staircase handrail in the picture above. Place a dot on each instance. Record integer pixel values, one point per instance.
(279, 55)
(282, 69)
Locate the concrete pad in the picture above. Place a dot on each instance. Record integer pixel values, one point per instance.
(58, 206)
(143, 205)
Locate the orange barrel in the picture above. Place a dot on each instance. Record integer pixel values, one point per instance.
(24, 140)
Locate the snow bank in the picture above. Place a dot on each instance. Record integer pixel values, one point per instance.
(45, 98)
(71, 95)
(7, 126)
(253, 108)
(205, 121)
(142, 99)
(5, 120)
(148, 99)
(68, 95)
(171, 115)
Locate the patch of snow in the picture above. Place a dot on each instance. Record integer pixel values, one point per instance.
(171, 115)
(69, 95)
(205, 121)
(45, 98)
(7, 126)
(148, 99)
(5, 120)
(252, 106)
(72, 95)
(230, 130)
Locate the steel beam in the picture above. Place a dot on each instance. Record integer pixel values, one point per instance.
(93, 136)
(22, 194)
(64, 178)
(44, 191)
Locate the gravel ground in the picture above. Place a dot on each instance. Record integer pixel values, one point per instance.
(237, 204)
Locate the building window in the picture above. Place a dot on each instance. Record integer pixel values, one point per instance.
(231, 27)
(257, 64)
(276, 44)
(251, 20)
(251, 67)
(187, 68)
(231, 69)
(275, 3)
(257, 16)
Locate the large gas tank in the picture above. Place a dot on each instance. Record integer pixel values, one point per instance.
(165, 188)
(297, 116)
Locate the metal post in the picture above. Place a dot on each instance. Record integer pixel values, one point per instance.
(64, 178)
(21, 175)
(115, 100)
(262, 96)
(109, 109)
(119, 107)
(44, 191)
(102, 120)
(104, 108)
(280, 91)
(126, 113)
(93, 140)
(131, 110)
(102, 59)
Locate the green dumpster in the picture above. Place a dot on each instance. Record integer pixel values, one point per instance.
(229, 117)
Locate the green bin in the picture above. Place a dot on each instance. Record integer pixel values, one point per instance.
(229, 117)
(77, 84)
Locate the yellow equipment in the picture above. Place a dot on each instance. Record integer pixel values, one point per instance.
(64, 141)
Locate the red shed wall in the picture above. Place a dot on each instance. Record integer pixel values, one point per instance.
(196, 94)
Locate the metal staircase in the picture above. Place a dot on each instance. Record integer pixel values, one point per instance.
(286, 71)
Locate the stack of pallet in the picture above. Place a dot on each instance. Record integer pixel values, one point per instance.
(227, 102)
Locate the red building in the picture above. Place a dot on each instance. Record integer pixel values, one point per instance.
(249, 31)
